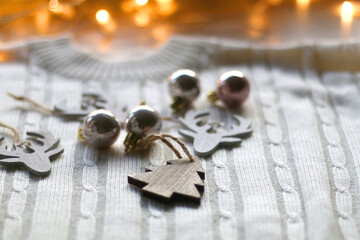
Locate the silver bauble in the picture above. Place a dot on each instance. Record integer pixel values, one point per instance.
(143, 120)
(101, 128)
(184, 83)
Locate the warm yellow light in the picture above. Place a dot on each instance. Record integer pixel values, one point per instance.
(102, 16)
(347, 12)
(160, 33)
(142, 19)
(128, 5)
(53, 4)
(275, 2)
(166, 7)
(42, 19)
(141, 2)
(347, 8)
(63, 10)
(303, 3)
(3, 57)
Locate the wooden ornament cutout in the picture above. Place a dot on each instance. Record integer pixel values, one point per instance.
(208, 136)
(36, 158)
(90, 102)
(179, 180)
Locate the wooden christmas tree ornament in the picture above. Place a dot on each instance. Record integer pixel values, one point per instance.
(179, 180)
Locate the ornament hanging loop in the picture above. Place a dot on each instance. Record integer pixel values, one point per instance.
(163, 137)
(16, 137)
(33, 103)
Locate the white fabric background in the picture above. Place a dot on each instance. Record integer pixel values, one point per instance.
(296, 177)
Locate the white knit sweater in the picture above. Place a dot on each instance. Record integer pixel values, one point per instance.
(296, 177)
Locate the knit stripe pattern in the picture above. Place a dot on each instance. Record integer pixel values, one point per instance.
(296, 177)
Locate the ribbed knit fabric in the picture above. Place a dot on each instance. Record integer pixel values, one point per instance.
(296, 177)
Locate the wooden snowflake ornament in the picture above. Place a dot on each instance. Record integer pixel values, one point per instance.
(179, 180)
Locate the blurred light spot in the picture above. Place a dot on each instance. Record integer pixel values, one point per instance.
(303, 3)
(3, 57)
(166, 7)
(347, 7)
(110, 27)
(53, 4)
(160, 33)
(63, 10)
(257, 24)
(142, 19)
(347, 12)
(42, 20)
(102, 16)
(128, 5)
(141, 2)
(104, 19)
(275, 2)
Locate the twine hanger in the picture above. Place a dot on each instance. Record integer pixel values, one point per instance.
(50, 111)
(36, 105)
(146, 141)
(163, 137)
(16, 138)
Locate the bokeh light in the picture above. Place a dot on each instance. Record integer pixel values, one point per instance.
(102, 16)
(347, 8)
(347, 12)
(3, 57)
(165, 7)
(53, 4)
(303, 3)
(142, 19)
(42, 20)
(141, 2)
(275, 2)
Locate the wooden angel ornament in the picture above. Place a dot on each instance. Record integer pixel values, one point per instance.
(179, 180)
(35, 154)
(208, 136)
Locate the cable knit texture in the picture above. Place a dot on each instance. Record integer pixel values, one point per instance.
(296, 177)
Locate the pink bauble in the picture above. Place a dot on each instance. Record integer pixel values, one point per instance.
(232, 88)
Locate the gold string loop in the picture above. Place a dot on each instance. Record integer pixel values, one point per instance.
(16, 138)
(36, 105)
(146, 141)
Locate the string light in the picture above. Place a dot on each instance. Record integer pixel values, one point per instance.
(347, 12)
(303, 3)
(165, 7)
(142, 19)
(275, 2)
(347, 8)
(141, 2)
(53, 4)
(42, 20)
(102, 16)
(3, 57)
(64, 10)
(106, 22)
